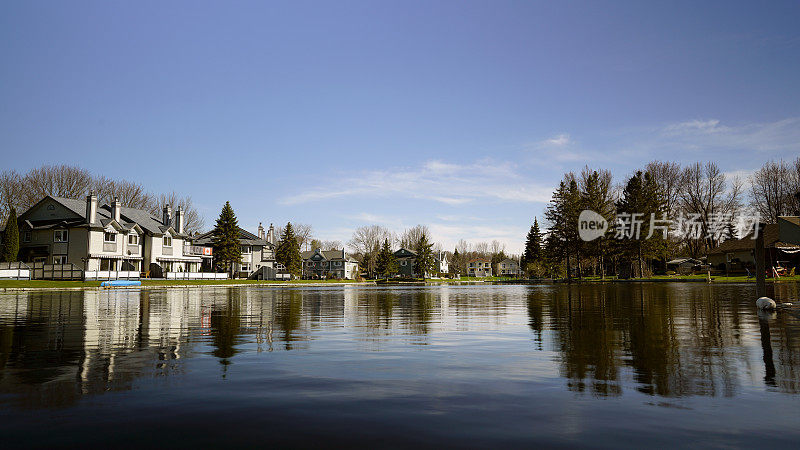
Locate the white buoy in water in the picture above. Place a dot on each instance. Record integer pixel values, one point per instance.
(765, 303)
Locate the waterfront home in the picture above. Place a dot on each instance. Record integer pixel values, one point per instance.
(104, 238)
(323, 263)
(479, 267)
(781, 244)
(405, 263)
(507, 268)
(257, 251)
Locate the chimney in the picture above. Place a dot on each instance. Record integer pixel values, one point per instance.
(271, 235)
(91, 208)
(260, 231)
(166, 218)
(115, 209)
(179, 220)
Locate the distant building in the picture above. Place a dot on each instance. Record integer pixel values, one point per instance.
(781, 243)
(336, 263)
(507, 268)
(257, 250)
(479, 267)
(406, 258)
(104, 238)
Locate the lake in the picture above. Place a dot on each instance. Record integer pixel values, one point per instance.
(622, 365)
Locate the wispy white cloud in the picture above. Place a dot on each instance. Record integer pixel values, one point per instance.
(437, 181)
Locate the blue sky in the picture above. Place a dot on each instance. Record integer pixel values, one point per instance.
(458, 115)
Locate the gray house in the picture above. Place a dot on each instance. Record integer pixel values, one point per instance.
(257, 250)
(405, 263)
(322, 263)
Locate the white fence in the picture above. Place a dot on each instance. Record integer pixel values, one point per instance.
(111, 275)
(196, 276)
(15, 270)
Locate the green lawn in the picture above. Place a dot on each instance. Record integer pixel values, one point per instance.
(83, 284)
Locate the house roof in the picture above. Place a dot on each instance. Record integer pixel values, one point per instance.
(329, 255)
(480, 260)
(129, 217)
(771, 232)
(245, 238)
(508, 260)
(685, 259)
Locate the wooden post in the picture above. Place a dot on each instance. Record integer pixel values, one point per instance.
(761, 282)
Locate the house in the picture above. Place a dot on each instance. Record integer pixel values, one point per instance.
(257, 250)
(323, 263)
(781, 244)
(479, 267)
(507, 268)
(104, 238)
(406, 258)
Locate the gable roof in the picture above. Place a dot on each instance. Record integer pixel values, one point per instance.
(328, 255)
(771, 239)
(245, 238)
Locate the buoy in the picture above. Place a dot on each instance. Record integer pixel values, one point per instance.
(765, 303)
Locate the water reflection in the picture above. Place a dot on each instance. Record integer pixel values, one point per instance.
(605, 340)
(667, 340)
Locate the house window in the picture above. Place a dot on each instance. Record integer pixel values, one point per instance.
(245, 268)
(60, 259)
(402, 263)
(60, 236)
(26, 236)
(109, 236)
(133, 239)
(246, 249)
(167, 241)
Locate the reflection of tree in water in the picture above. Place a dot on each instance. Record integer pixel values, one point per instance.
(289, 315)
(673, 341)
(225, 328)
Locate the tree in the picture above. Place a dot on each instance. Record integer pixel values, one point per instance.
(562, 213)
(386, 263)
(366, 242)
(533, 246)
(595, 195)
(424, 262)
(771, 190)
(705, 192)
(10, 248)
(455, 262)
(227, 250)
(288, 251)
(640, 201)
(411, 236)
(303, 232)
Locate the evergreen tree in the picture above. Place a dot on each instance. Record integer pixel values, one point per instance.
(386, 264)
(639, 197)
(227, 249)
(596, 196)
(533, 246)
(455, 262)
(424, 261)
(10, 248)
(562, 213)
(288, 251)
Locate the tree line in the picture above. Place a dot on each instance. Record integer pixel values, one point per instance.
(662, 190)
(20, 191)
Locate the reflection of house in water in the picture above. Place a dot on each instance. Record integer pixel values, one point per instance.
(72, 343)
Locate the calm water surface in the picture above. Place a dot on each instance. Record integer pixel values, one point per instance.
(619, 365)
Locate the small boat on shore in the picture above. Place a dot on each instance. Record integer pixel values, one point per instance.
(120, 283)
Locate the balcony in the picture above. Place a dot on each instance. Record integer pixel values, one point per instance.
(195, 250)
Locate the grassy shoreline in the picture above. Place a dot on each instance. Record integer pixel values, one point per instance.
(48, 284)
